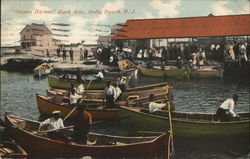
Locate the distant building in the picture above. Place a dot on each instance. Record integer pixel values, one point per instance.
(104, 41)
(37, 36)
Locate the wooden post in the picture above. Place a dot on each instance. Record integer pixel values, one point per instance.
(170, 118)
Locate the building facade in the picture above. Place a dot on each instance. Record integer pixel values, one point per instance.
(37, 36)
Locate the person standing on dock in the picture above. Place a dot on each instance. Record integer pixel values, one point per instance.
(58, 50)
(47, 53)
(64, 54)
(85, 54)
(109, 92)
(71, 52)
(81, 54)
(55, 122)
(227, 105)
(82, 124)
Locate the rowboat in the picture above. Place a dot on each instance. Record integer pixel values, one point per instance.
(136, 95)
(9, 149)
(60, 83)
(194, 126)
(46, 105)
(174, 72)
(155, 71)
(96, 103)
(163, 72)
(42, 70)
(206, 72)
(50, 146)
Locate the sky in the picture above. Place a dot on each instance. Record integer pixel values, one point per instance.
(88, 19)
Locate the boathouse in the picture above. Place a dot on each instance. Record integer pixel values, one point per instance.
(36, 36)
(145, 33)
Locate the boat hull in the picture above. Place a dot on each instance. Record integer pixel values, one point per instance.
(183, 129)
(178, 73)
(214, 73)
(55, 82)
(46, 107)
(39, 146)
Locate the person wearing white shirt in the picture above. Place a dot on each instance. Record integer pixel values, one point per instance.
(153, 106)
(118, 93)
(109, 92)
(80, 89)
(73, 97)
(227, 105)
(55, 122)
(99, 75)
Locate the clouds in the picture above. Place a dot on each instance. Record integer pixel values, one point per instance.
(117, 5)
(219, 8)
(168, 9)
(42, 17)
(222, 8)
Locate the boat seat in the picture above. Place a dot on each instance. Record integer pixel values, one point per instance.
(132, 97)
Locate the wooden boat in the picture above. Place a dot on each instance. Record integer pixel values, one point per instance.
(60, 83)
(137, 95)
(165, 72)
(206, 72)
(191, 126)
(174, 72)
(155, 71)
(9, 149)
(49, 146)
(46, 105)
(96, 104)
(42, 70)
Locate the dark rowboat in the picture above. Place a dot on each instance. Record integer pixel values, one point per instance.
(10, 149)
(43, 146)
(185, 125)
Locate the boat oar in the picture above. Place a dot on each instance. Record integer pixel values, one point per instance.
(68, 127)
(76, 106)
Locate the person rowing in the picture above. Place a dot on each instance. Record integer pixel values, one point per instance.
(55, 122)
(153, 106)
(227, 106)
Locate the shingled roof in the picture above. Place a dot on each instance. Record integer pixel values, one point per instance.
(38, 29)
(209, 26)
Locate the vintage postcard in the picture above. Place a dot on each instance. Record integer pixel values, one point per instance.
(125, 79)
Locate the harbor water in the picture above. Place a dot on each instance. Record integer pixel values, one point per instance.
(18, 92)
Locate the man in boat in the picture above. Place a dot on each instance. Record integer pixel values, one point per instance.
(121, 82)
(109, 92)
(179, 62)
(82, 123)
(227, 105)
(118, 93)
(153, 106)
(73, 97)
(55, 122)
(80, 89)
(99, 75)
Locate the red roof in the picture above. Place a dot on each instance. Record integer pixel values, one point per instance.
(230, 25)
